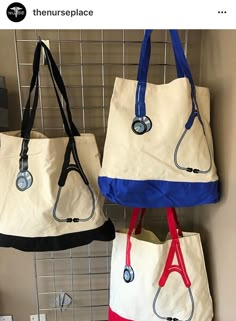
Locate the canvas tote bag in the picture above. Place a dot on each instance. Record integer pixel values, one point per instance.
(154, 281)
(158, 149)
(49, 193)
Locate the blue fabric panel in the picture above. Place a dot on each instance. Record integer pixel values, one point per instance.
(157, 193)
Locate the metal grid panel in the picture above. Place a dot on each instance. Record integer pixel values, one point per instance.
(89, 61)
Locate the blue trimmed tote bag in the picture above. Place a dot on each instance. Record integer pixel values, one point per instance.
(158, 150)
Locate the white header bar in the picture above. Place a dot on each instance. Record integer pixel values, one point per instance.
(120, 14)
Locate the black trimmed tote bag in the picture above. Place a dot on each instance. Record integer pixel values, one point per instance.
(50, 198)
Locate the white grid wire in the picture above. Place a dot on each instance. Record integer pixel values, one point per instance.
(85, 271)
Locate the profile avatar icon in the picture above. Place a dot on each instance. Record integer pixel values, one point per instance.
(16, 12)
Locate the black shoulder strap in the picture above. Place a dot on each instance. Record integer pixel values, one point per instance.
(58, 84)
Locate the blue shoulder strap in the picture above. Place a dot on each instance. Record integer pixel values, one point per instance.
(182, 67)
(146, 52)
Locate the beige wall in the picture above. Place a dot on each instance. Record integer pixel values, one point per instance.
(17, 287)
(217, 222)
(8, 70)
(16, 268)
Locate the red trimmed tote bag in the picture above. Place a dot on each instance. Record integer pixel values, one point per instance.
(153, 280)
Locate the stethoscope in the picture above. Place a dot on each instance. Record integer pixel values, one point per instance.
(141, 123)
(128, 273)
(67, 167)
(24, 178)
(194, 114)
(173, 318)
(174, 251)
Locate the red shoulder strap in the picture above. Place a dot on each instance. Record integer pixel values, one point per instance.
(133, 220)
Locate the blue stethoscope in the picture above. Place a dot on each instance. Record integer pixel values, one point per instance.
(141, 123)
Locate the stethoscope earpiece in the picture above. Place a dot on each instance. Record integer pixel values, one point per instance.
(24, 180)
(128, 274)
(141, 125)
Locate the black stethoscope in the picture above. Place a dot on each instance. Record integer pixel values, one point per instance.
(24, 178)
(67, 167)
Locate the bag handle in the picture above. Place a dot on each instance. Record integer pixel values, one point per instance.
(174, 229)
(128, 273)
(174, 251)
(133, 222)
(182, 67)
(141, 122)
(173, 223)
(24, 178)
(29, 114)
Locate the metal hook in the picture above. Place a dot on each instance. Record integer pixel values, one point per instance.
(46, 42)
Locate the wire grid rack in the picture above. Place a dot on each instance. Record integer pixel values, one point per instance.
(89, 61)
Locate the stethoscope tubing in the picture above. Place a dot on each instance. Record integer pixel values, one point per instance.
(168, 317)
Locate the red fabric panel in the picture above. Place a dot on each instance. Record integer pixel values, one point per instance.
(112, 316)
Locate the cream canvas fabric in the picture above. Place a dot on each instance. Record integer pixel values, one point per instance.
(29, 214)
(152, 154)
(34, 206)
(136, 300)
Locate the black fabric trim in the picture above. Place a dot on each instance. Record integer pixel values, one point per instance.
(106, 232)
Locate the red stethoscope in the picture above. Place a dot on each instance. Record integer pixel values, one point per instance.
(128, 274)
(175, 250)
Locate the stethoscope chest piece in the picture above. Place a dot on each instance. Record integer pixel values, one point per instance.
(128, 274)
(24, 180)
(141, 125)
